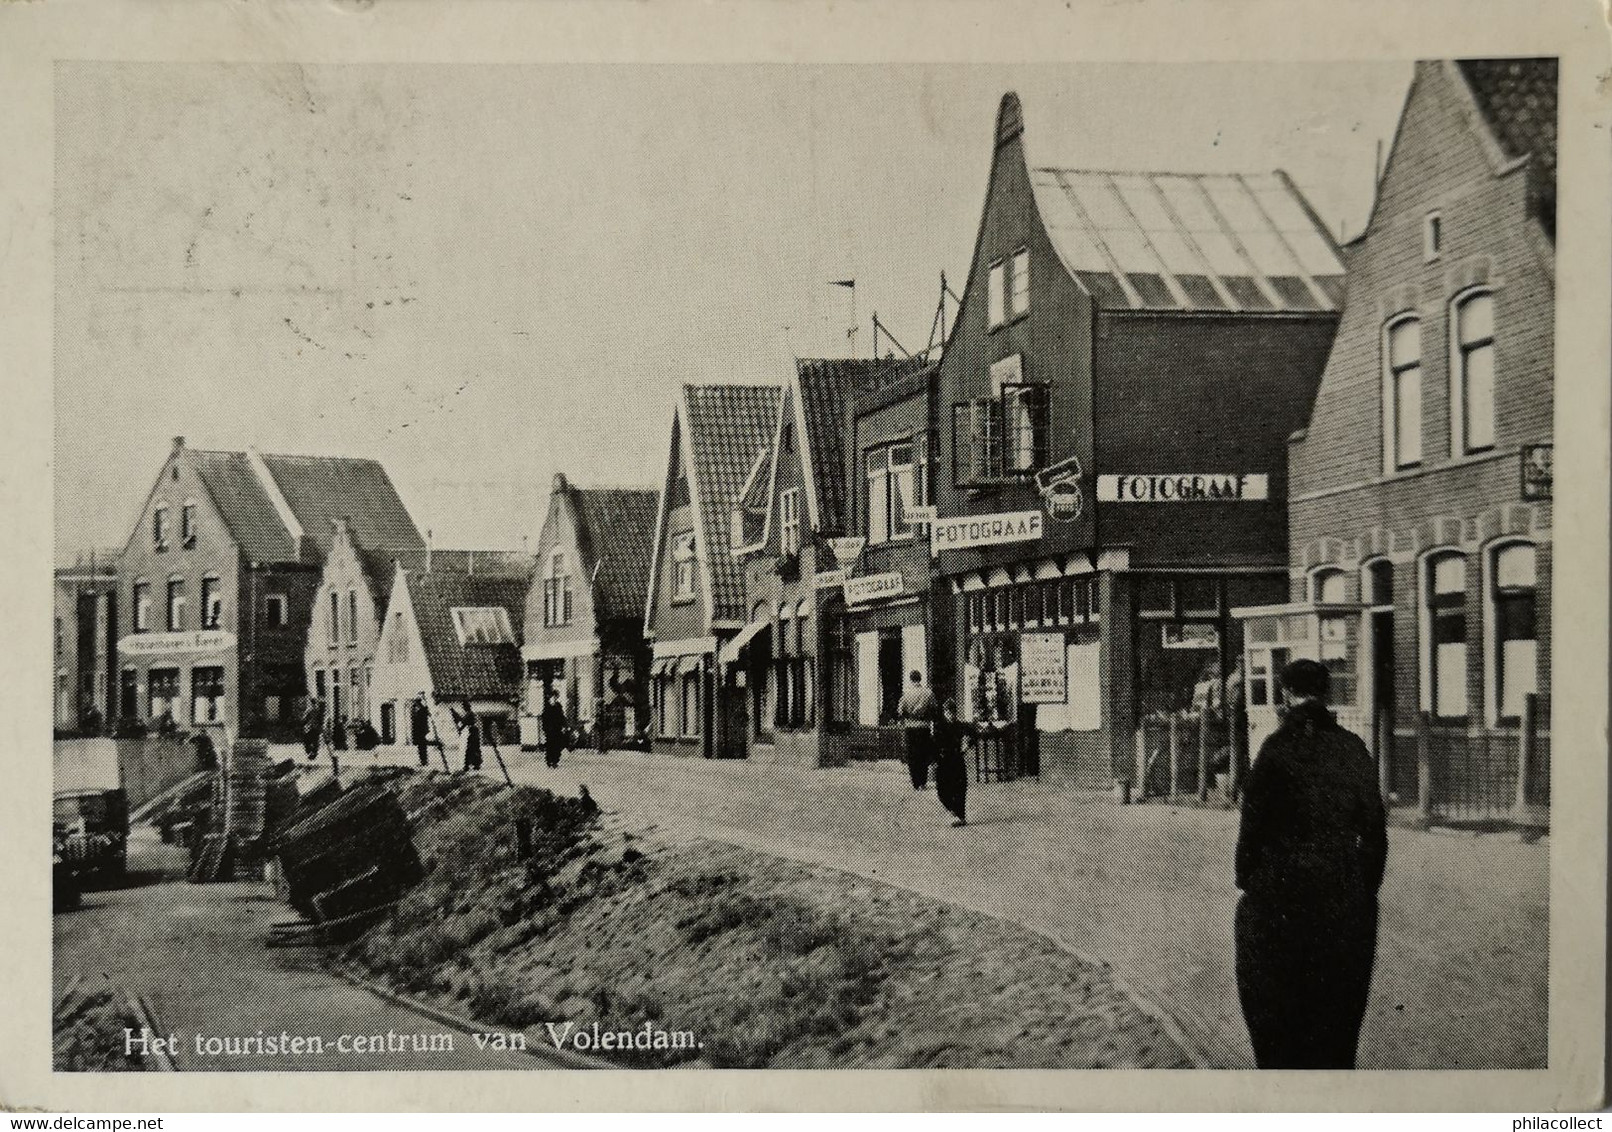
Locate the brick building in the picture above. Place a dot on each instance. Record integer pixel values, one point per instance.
(1420, 513)
(85, 643)
(584, 633)
(790, 667)
(217, 580)
(1131, 353)
(695, 599)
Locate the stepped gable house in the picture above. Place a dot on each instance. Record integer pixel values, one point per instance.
(1131, 353)
(695, 598)
(1420, 491)
(451, 631)
(584, 634)
(789, 671)
(219, 575)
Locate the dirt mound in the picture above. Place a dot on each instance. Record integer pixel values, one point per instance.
(537, 912)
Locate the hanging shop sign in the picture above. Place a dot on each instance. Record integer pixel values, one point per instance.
(921, 513)
(171, 644)
(984, 530)
(1193, 487)
(872, 587)
(847, 550)
(1536, 462)
(828, 579)
(1060, 490)
(1043, 678)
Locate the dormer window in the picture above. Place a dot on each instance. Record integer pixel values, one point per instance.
(1432, 236)
(483, 625)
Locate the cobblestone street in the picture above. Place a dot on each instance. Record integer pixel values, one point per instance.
(1461, 968)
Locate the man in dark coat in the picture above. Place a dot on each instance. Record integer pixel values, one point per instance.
(1310, 859)
(313, 728)
(951, 765)
(553, 730)
(420, 728)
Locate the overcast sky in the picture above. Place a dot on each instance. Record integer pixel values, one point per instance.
(482, 275)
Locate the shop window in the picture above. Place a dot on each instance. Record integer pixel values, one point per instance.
(159, 527)
(274, 610)
(789, 520)
(176, 604)
(206, 694)
(1402, 395)
(1445, 651)
(187, 524)
(996, 296)
(683, 565)
(1472, 374)
(212, 602)
(1021, 281)
(890, 492)
(1513, 658)
(841, 668)
(1338, 646)
(691, 704)
(162, 694)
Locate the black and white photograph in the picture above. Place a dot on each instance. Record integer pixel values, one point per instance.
(768, 565)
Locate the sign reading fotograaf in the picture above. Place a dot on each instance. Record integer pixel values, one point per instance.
(1189, 487)
(984, 530)
(874, 586)
(167, 644)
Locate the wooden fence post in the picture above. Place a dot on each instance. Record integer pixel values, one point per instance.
(1175, 754)
(1203, 756)
(1525, 751)
(1424, 768)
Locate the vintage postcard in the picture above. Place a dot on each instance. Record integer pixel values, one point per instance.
(978, 553)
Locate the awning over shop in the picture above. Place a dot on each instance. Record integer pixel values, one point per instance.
(665, 665)
(691, 662)
(742, 639)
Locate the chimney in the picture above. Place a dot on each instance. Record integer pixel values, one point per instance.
(428, 550)
(179, 443)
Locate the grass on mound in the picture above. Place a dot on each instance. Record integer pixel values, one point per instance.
(766, 962)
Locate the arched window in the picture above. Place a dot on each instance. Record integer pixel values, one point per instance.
(159, 527)
(1472, 374)
(1402, 394)
(1377, 584)
(1444, 650)
(1328, 586)
(1513, 658)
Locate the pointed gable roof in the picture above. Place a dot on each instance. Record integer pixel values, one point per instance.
(1517, 100)
(244, 505)
(717, 430)
(615, 536)
(459, 670)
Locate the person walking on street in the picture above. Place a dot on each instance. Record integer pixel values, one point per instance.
(951, 766)
(420, 727)
(919, 712)
(313, 728)
(1311, 852)
(553, 730)
(470, 728)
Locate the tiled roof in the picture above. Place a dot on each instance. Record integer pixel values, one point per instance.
(245, 506)
(318, 490)
(321, 489)
(727, 424)
(1517, 98)
(616, 533)
(380, 566)
(826, 387)
(488, 672)
(1176, 241)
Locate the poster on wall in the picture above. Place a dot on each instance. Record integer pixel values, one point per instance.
(1041, 668)
(1185, 635)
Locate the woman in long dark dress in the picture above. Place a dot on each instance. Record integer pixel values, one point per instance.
(470, 726)
(951, 765)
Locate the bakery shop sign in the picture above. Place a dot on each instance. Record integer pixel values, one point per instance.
(1186, 487)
